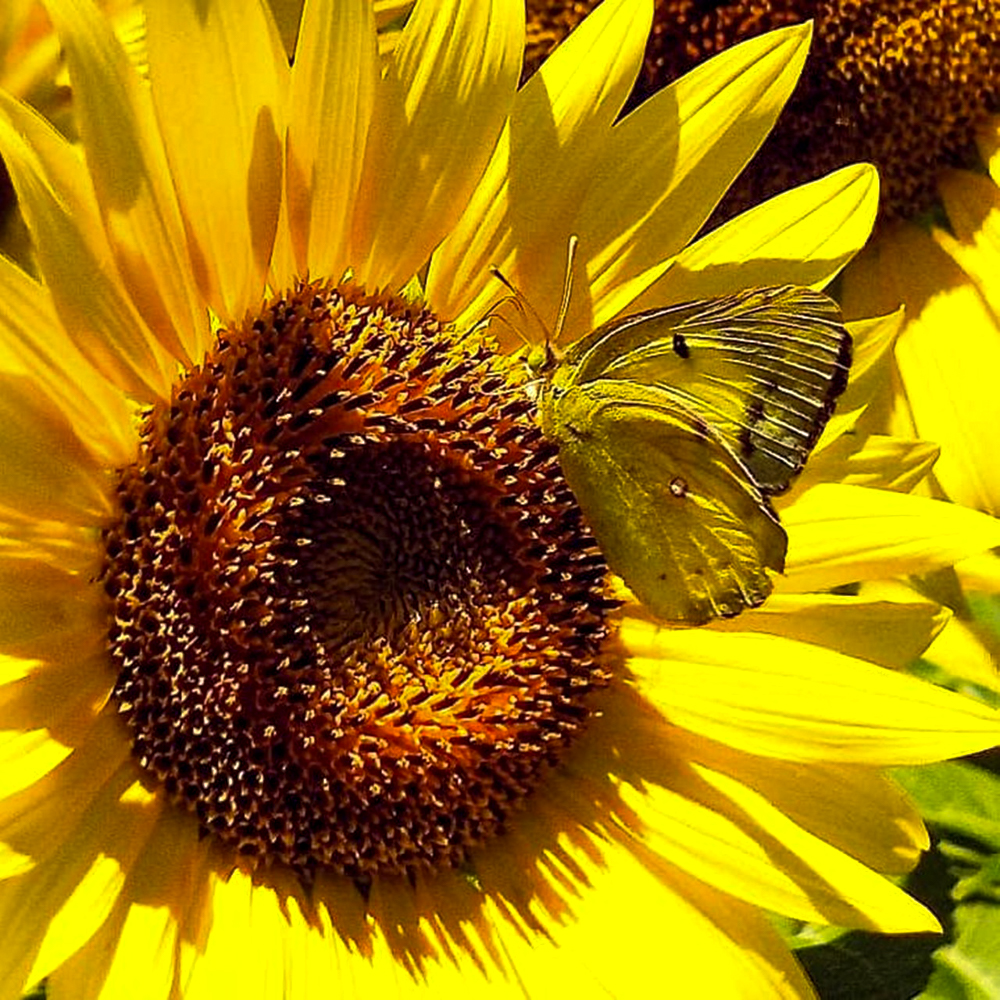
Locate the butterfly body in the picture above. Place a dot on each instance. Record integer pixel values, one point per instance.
(674, 428)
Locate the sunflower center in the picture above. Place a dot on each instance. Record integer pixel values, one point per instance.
(355, 614)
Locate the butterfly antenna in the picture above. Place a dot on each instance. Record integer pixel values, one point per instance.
(518, 298)
(567, 290)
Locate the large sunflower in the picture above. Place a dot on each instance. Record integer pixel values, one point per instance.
(312, 683)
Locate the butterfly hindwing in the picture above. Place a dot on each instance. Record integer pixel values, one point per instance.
(676, 512)
(763, 368)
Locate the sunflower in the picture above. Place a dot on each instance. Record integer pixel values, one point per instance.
(313, 680)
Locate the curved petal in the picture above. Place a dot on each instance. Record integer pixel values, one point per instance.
(886, 832)
(333, 84)
(225, 147)
(63, 698)
(988, 144)
(138, 942)
(973, 206)
(610, 942)
(41, 819)
(522, 212)
(26, 757)
(888, 632)
(730, 836)
(246, 920)
(878, 461)
(48, 473)
(801, 237)
(34, 343)
(56, 197)
(841, 534)
(124, 153)
(667, 165)
(441, 106)
(777, 697)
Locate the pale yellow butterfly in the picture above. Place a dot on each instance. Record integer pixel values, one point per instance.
(676, 425)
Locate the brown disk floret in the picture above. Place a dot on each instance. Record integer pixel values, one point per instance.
(899, 83)
(355, 614)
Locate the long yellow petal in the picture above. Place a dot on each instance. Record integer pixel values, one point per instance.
(44, 610)
(725, 833)
(48, 473)
(33, 342)
(447, 92)
(57, 199)
(139, 943)
(42, 818)
(617, 904)
(332, 97)
(225, 144)
(973, 206)
(523, 210)
(246, 921)
(699, 132)
(878, 461)
(802, 237)
(125, 157)
(781, 698)
(841, 534)
(946, 354)
(890, 633)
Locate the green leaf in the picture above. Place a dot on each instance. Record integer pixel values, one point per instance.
(959, 799)
(968, 969)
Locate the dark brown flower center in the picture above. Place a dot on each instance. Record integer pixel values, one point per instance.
(355, 612)
(899, 83)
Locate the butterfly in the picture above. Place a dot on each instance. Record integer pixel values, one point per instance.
(675, 427)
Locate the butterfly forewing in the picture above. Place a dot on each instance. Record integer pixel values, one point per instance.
(675, 511)
(763, 368)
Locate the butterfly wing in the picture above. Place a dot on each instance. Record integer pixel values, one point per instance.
(675, 512)
(763, 368)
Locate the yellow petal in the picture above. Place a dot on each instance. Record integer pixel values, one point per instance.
(946, 354)
(47, 472)
(877, 461)
(524, 208)
(32, 907)
(800, 237)
(889, 633)
(870, 389)
(610, 942)
(668, 163)
(35, 344)
(988, 141)
(64, 698)
(980, 573)
(56, 197)
(725, 833)
(26, 757)
(84, 911)
(841, 534)
(441, 106)
(960, 652)
(885, 832)
(58, 905)
(219, 78)
(40, 819)
(973, 206)
(781, 698)
(246, 920)
(139, 944)
(333, 85)
(125, 157)
(45, 611)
